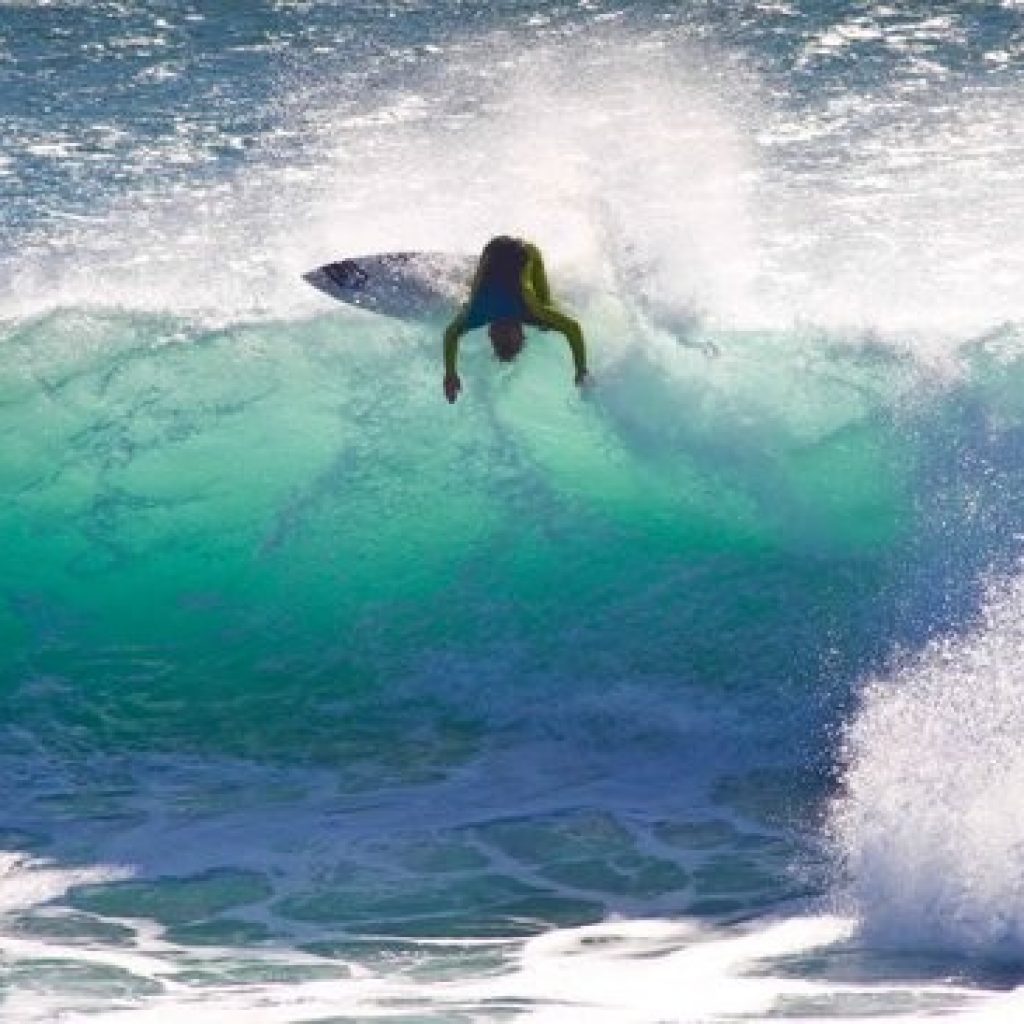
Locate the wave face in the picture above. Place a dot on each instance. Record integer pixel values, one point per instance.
(205, 523)
(319, 692)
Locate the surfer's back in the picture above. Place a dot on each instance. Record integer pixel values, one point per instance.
(503, 261)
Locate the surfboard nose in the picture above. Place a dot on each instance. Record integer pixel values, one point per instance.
(346, 274)
(411, 286)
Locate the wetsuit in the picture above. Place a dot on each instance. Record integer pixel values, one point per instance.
(527, 300)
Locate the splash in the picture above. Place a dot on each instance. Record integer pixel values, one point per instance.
(930, 832)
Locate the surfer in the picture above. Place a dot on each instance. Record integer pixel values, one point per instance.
(510, 288)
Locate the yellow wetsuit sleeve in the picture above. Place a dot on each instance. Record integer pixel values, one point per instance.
(537, 296)
(452, 333)
(457, 328)
(537, 275)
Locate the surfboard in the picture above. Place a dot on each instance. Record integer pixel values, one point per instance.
(404, 285)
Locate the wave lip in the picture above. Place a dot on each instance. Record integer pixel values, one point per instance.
(928, 828)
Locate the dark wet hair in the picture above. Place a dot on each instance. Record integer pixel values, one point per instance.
(506, 339)
(505, 260)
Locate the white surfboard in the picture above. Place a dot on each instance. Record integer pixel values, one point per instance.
(404, 285)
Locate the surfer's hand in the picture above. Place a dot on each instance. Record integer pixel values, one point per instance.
(452, 386)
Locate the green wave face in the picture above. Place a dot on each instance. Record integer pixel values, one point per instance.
(250, 540)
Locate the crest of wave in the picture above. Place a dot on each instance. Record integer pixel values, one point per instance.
(931, 827)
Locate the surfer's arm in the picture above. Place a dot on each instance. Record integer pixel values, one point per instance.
(455, 330)
(573, 334)
(452, 333)
(537, 296)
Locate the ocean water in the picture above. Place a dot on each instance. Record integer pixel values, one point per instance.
(692, 698)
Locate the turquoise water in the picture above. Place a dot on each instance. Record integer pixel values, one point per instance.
(325, 700)
(205, 523)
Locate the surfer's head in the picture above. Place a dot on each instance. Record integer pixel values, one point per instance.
(506, 339)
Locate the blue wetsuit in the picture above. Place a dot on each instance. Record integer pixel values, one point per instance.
(492, 302)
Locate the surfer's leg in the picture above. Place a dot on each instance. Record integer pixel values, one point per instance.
(539, 277)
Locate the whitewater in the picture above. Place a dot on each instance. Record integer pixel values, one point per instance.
(692, 697)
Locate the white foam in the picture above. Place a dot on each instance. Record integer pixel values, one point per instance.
(627, 972)
(27, 881)
(930, 828)
(654, 168)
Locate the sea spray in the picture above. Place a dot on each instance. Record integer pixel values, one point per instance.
(931, 826)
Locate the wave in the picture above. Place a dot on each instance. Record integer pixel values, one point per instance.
(204, 524)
